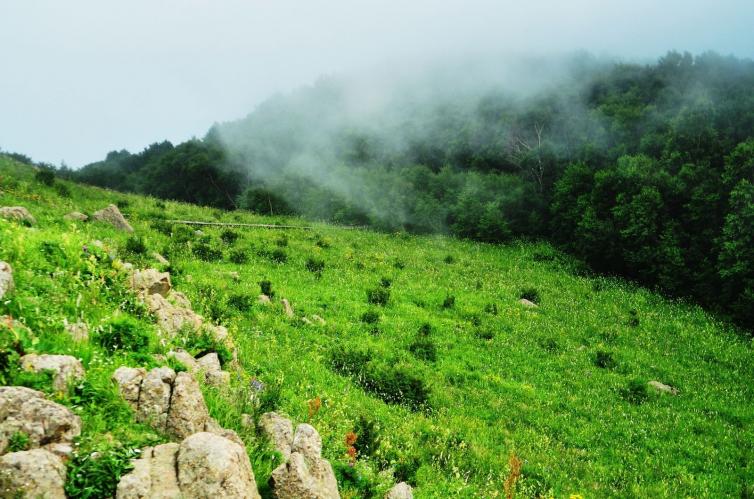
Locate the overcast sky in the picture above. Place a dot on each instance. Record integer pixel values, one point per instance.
(80, 78)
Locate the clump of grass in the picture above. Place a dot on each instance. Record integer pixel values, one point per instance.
(98, 476)
(18, 441)
(204, 251)
(277, 255)
(240, 302)
(378, 296)
(123, 204)
(370, 317)
(45, 177)
(62, 190)
(123, 333)
(229, 236)
(135, 245)
(282, 242)
(315, 265)
(449, 259)
(635, 391)
(530, 294)
(265, 287)
(425, 329)
(424, 349)
(604, 360)
(322, 242)
(633, 318)
(386, 282)
(238, 256)
(449, 302)
(491, 308)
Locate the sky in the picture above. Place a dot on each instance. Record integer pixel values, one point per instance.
(80, 78)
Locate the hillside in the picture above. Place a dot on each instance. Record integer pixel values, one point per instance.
(446, 378)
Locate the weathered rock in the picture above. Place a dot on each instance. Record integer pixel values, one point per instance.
(76, 216)
(179, 299)
(279, 430)
(220, 333)
(264, 300)
(186, 359)
(663, 388)
(319, 320)
(35, 473)
(160, 259)
(129, 381)
(170, 318)
(247, 421)
(188, 413)
(400, 491)
(150, 281)
(217, 378)
(527, 303)
(114, 217)
(18, 214)
(208, 367)
(287, 308)
(155, 397)
(306, 474)
(210, 362)
(306, 321)
(234, 275)
(204, 465)
(79, 331)
(6, 278)
(65, 368)
(43, 421)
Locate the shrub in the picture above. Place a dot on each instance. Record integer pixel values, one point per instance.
(90, 476)
(423, 349)
(182, 234)
(449, 302)
(277, 255)
(315, 265)
(238, 256)
(123, 333)
(45, 176)
(349, 362)
(370, 317)
(229, 236)
(322, 242)
(62, 190)
(449, 259)
(398, 264)
(240, 302)
(199, 343)
(123, 204)
(633, 319)
(425, 329)
(206, 252)
(386, 282)
(282, 241)
(530, 294)
(135, 245)
(491, 308)
(485, 334)
(397, 385)
(604, 360)
(162, 227)
(266, 288)
(368, 433)
(635, 391)
(378, 296)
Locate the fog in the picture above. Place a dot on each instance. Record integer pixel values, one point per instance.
(85, 77)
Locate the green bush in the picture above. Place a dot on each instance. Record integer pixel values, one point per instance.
(135, 245)
(229, 236)
(240, 302)
(206, 252)
(378, 296)
(18, 441)
(123, 333)
(265, 287)
(449, 302)
(423, 349)
(604, 360)
(91, 476)
(315, 265)
(530, 294)
(370, 317)
(635, 391)
(62, 190)
(45, 176)
(238, 256)
(282, 241)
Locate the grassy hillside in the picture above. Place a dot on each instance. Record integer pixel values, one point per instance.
(447, 383)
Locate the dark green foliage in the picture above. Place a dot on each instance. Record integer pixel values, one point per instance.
(315, 265)
(322, 242)
(199, 343)
(449, 259)
(242, 303)
(349, 362)
(491, 308)
(62, 190)
(123, 333)
(238, 256)
(45, 176)
(229, 236)
(123, 204)
(378, 296)
(370, 317)
(264, 201)
(423, 349)
(265, 287)
(604, 360)
(135, 245)
(530, 294)
(425, 330)
(635, 391)
(386, 282)
(282, 242)
(351, 479)
(449, 302)
(206, 252)
(277, 255)
(98, 476)
(18, 441)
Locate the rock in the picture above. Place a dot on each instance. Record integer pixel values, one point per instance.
(160, 259)
(186, 359)
(114, 217)
(400, 491)
(76, 216)
(171, 318)
(150, 281)
(279, 430)
(527, 303)
(204, 465)
(306, 474)
(65, 368)
(663, 388)
(43, 421)
(209, 362)
(179, 299)
(287, 308)
(35, 473)
(264, 300)
(217, 378)
(129, 381)
(247, 421)
(188, 413)
(18, 214)
(306, 321)
(235, 276)
(6, 278)
(319, 320)
(155, 396)
(79, 331)
(207, 366)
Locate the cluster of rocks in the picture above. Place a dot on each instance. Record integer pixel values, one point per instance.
(49, 429)
(206, 367)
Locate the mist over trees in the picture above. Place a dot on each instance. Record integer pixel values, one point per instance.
(644, 171)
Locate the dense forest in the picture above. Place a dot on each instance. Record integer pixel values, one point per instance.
(643, 171)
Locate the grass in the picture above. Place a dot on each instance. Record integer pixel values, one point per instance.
(426, 355)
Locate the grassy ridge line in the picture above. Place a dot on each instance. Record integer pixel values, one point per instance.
(504, 379)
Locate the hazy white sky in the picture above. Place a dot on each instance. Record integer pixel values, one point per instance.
(82, 77)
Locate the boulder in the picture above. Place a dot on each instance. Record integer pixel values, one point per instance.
(663, 388)
(112, 215)
(264, 300)
(79, 331)
(43, 421)
(160, 259)
(35, 473)
(208, 367)
(209, 362)
(527, 303)
(179, 299)
(18, 214)
(306, 474)
(287, 308)
(202, 465)
(279, 430)
(171, 318)
(65, 368)
(186, 359)
(150, 281)
(76, 216)
(129, 381)
(154, 397)
(319, 320)
(6, 278)
(400, 491)
(187, 413)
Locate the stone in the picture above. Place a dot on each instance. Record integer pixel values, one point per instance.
(217, 378)
(170, 318)
(35, 473)
(154, 475)
(235, 276)
(78, 331)
(400, 491)
(65, 368)
(129, 381)
(188, 413)
(247, 421)
(18, 214)
(306, 474)
(319, 320)
(150, 281)
(186, 359)
(112, 215)
(155, 397)
(279, 430)
(527, 303)
(179, 299)
(43, 421)
(209, 362)
(76, 216)
(219, 333)
(6, 279)
(663, 388)
(264, 300)
(160, 259)
(287, 308)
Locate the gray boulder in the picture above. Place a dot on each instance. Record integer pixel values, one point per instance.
(400, 491)
(6, 278)
(279, 430)
(35, 473)
(76, 216)
(112, 215)
(65, 368)
(17, 214)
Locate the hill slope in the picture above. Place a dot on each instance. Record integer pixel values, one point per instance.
(446, 384)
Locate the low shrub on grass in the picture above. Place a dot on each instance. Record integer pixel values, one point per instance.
(282, 241)
(135, 245)
(386, 282)
(635, 391)
(604, 360)
(277, 255)
(315, 266)
(199, 343)
(238, 256)
(449, 302)
(204, 251)
(530, 294)
(62, 190)
(123, 333)
(449, 259)
(229, 236)
(45, 176)
(265, 287)
(370, 317)
(378, 296)
(423, 349)
(240, 302)
(98, 475)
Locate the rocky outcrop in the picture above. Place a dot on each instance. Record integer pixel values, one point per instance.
(279, 430)
(400, 491)
(76, 216)
(306, 474)
(78, 331)
(171, 318)
(167, 401)
(35, 473)
(160, 259)
(18, 214)
(202, 465)
(663, 388)
(44, 422)
(6, 279)
(114, 217)
(65, 369)
(149, 282)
